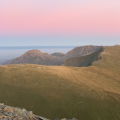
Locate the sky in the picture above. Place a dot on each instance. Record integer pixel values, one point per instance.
(59, 40)
(82, 21)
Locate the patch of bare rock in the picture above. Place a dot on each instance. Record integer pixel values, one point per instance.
(15, 113)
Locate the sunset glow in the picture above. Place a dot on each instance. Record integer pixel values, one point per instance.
(60, 17)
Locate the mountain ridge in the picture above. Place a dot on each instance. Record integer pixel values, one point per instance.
(79, 51)
(37, 57)
(84, 60)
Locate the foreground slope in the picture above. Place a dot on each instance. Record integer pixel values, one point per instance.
(86, 93)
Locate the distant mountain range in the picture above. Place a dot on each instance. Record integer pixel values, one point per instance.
(37, 57)
(2, 61)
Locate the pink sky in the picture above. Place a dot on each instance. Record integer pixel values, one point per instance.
(60, 17)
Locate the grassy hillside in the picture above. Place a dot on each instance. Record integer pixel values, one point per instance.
(86, 93)
(83, 61)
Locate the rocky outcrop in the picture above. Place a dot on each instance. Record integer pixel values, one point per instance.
(15, 113)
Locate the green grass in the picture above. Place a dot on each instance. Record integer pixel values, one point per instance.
(86, 93)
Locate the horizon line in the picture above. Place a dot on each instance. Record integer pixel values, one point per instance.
(61, 45)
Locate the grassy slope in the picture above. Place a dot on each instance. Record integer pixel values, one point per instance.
(87, 93)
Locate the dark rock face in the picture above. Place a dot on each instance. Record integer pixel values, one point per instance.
(12, 113)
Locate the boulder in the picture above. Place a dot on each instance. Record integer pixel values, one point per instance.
(8, 109)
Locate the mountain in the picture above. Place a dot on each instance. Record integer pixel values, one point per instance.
(85, 93)
(85, 60)
(80, 51)
(2, 61)
(57, 54)
(35, 57)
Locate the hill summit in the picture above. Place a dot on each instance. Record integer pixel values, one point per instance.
(33, 52)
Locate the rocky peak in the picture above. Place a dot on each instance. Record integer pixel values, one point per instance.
(33, 52)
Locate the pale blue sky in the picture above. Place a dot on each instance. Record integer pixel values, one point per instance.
(58, 41)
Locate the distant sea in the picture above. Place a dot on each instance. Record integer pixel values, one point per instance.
(10, 52)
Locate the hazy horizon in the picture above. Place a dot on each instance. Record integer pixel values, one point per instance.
(59, 40)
